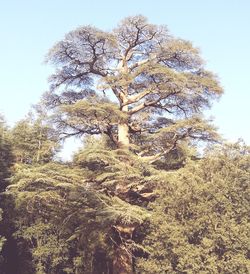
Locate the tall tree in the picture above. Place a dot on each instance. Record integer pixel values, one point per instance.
(138, 85)
(6, 155)
(152, 78)
(34, 141)
(6, 162)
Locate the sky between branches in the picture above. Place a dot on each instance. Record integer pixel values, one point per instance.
(28, 28)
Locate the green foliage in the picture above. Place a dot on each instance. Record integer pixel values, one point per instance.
(34, 141)
(62, 210)
(41, 209)
(6, 156)
(6, 162)
(148, 73)
(136, 195)
(1, 238)
(118, 172)
(93, 115)
(200, 224)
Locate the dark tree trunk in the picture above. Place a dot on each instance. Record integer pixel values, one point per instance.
(123, 257)
(123, 261)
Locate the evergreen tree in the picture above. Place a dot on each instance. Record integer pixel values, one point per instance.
(6, 162)
(200, 224)
(70, 217)
(153, 77)
(34, 140)
(6, 156)
(142, 88)
(136, 198)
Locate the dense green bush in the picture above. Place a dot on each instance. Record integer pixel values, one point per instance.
(200, 224)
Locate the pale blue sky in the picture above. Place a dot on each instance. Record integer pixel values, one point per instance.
(220, 28)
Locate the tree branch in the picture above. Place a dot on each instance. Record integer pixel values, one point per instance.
(143, 105)
(137, 97)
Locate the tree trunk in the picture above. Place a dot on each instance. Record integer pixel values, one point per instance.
(123, 261)
(123, 132)
(38, 151)
(123, 257)
(123, 135)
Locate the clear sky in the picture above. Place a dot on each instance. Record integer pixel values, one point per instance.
(220, 28)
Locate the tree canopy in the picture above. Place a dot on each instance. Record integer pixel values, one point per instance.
(200, 224)
(133, 81)
(34, 141)
(138, 196)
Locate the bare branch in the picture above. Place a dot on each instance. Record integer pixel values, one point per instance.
(137, 97)
(143, 105)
